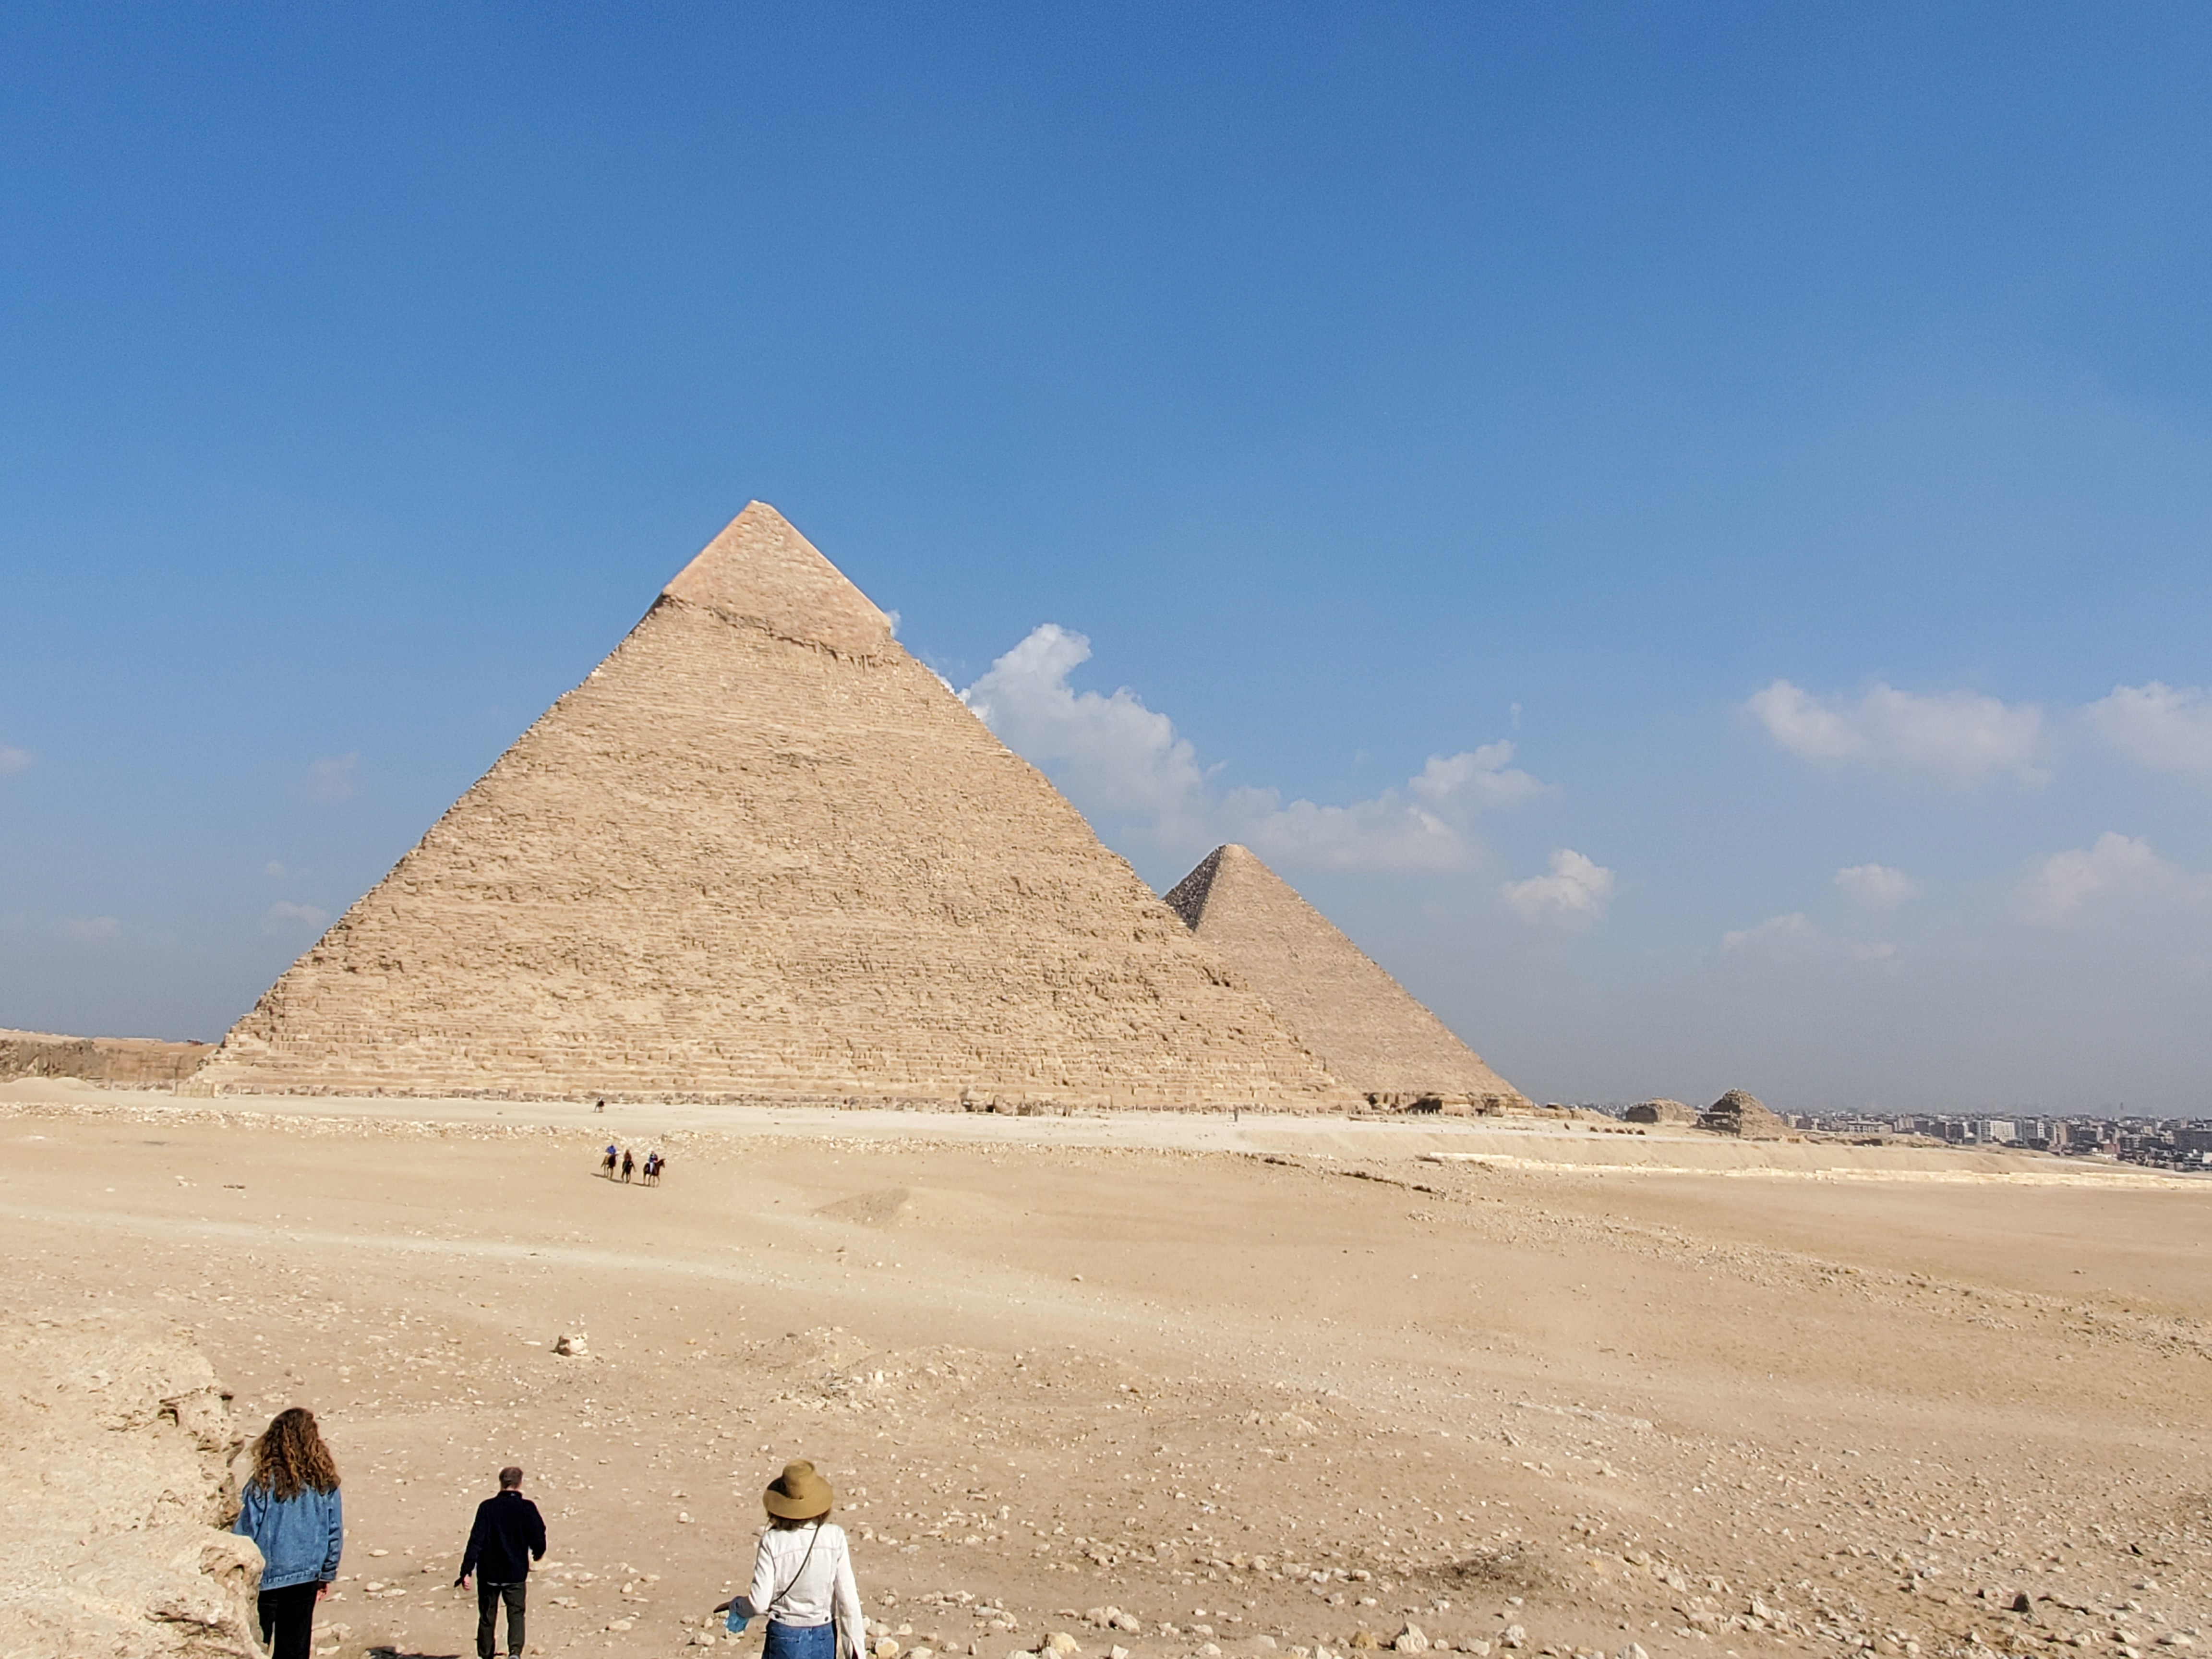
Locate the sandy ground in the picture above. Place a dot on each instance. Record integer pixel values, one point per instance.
(1263, 1385)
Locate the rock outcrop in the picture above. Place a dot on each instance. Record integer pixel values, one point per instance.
(1661, 1111)
(1367, 1028)
(763, 853)
(1736, 1113)
(115, 1062)
(113, 1476)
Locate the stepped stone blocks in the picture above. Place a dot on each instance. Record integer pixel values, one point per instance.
(1661, 1111)
(1366, 1026)
(1739, 1113)
(761, 852)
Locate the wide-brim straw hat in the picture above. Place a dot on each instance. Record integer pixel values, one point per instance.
(798, 1493)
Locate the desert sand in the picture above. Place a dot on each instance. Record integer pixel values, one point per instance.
(1285, 1380)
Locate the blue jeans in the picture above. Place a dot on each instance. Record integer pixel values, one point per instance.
(800, 1641)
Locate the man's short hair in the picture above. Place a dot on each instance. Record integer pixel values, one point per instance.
(509, 1478)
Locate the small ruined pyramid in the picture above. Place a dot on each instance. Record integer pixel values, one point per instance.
(1366, 1026)
(763, 853)
(1739, 1113)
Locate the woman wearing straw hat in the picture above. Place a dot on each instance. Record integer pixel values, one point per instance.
(803, 1580)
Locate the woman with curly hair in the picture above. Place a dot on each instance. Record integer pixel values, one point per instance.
(290, 1510)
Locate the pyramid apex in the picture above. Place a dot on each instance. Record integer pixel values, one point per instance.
(1367, 1028)
(760, 570)
(1188, 897)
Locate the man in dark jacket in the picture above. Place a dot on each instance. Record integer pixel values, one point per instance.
(508, 1534)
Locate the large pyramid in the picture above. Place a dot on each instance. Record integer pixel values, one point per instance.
(763, 853)
(1366, 1026)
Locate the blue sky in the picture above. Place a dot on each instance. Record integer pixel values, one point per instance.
(1789, 428)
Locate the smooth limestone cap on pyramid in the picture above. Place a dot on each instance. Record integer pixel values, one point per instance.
(1367, 1028)
(763, 853)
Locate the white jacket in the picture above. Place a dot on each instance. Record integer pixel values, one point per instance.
(825, 1588)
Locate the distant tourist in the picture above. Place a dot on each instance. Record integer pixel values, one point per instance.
(601, 1107)
(607, 1164)
(508, 1534)
(655, 1164)
(290, 1510)
(803, 1580)
(629, 1164)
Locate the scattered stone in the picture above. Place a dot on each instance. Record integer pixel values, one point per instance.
(575, 1347)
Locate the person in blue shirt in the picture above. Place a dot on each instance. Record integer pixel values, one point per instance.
(290, 1510)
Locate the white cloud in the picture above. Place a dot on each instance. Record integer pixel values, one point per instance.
(1113, 752)
(1793, 935)
(1794, 939)
(2117, 868)
(1958, 737)
(2161, 727)
(88, 929)
(332, 779)
(12, 760)
(1876, 885)
(1575, 893)
(275, 870)
(284, 914)
(1116, 758)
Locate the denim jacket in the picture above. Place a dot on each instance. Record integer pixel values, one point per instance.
(300, 1537)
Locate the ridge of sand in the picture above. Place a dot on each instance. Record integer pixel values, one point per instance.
(1369, 1031)
(763, 853)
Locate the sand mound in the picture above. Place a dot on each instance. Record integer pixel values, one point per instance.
(1736, 1113)
(1663, 1111)
(113, 1473)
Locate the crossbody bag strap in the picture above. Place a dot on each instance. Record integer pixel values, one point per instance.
(776, 1600)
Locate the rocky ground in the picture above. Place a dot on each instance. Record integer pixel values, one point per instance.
(114, 1451)
(1182, 1387)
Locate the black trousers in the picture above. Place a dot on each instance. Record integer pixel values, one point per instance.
(488, 1597)
(287, 1619)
